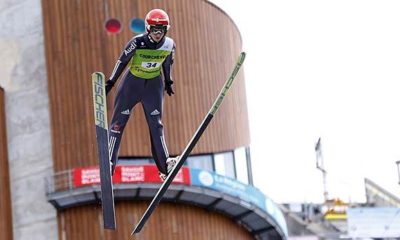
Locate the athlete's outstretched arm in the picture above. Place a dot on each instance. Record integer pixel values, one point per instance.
(122, 61)
(167, 72)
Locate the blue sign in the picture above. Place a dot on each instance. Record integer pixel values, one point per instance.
(245, 192)
(227, 185)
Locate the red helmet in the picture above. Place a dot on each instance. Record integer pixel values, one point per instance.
(157, 17)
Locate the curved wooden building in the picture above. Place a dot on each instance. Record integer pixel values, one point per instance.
(5, 201)
(208, 43)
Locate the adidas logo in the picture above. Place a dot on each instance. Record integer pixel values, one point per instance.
(126, 112)
(155, 112)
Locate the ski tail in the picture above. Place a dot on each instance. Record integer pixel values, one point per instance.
(203, 126)
(100, 116)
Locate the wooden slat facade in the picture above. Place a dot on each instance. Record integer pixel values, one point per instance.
(168, 222)
(6, 231)
(208, 44)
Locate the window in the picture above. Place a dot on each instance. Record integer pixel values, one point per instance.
(135, 161)
(201, 161)
(241, 165)
(224, 164)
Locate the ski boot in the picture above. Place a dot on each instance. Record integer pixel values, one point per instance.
(171, 162)
(170, 165)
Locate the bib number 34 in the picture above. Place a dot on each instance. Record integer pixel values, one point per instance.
(151, 64)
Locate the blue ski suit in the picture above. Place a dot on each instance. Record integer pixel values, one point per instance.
(143, 83)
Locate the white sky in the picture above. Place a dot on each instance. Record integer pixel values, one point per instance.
(328, 69)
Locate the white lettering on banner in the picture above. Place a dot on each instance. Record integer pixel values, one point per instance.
(90, 176)
(132, 174)
(230, 183)
(243, 194)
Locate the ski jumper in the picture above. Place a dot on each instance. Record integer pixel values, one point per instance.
(142, 83)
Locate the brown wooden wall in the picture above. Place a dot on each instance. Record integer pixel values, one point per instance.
(76, 44)
(5, 199)
(168, 222)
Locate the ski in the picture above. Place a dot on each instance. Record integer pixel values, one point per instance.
(100, 116)
(192, 143)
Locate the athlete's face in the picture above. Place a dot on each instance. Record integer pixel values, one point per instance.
(157, 33)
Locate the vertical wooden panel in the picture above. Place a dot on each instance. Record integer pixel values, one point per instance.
(169, 222)
(5, 200)
(73, 50)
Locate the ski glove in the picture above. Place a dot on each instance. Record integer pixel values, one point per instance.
(168, 87)
(109, 86)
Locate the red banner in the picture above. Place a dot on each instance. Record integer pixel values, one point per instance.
(127, 174)
(86, 176)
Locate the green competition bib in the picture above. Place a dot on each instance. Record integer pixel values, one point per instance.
(146, 63)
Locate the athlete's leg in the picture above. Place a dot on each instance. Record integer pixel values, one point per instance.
(154, 154)
(152, 102)
(127, 96)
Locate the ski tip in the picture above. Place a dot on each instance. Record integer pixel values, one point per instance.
(242, 56)
(98, 74)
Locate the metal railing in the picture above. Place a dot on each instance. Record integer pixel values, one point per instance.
(60, 181)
